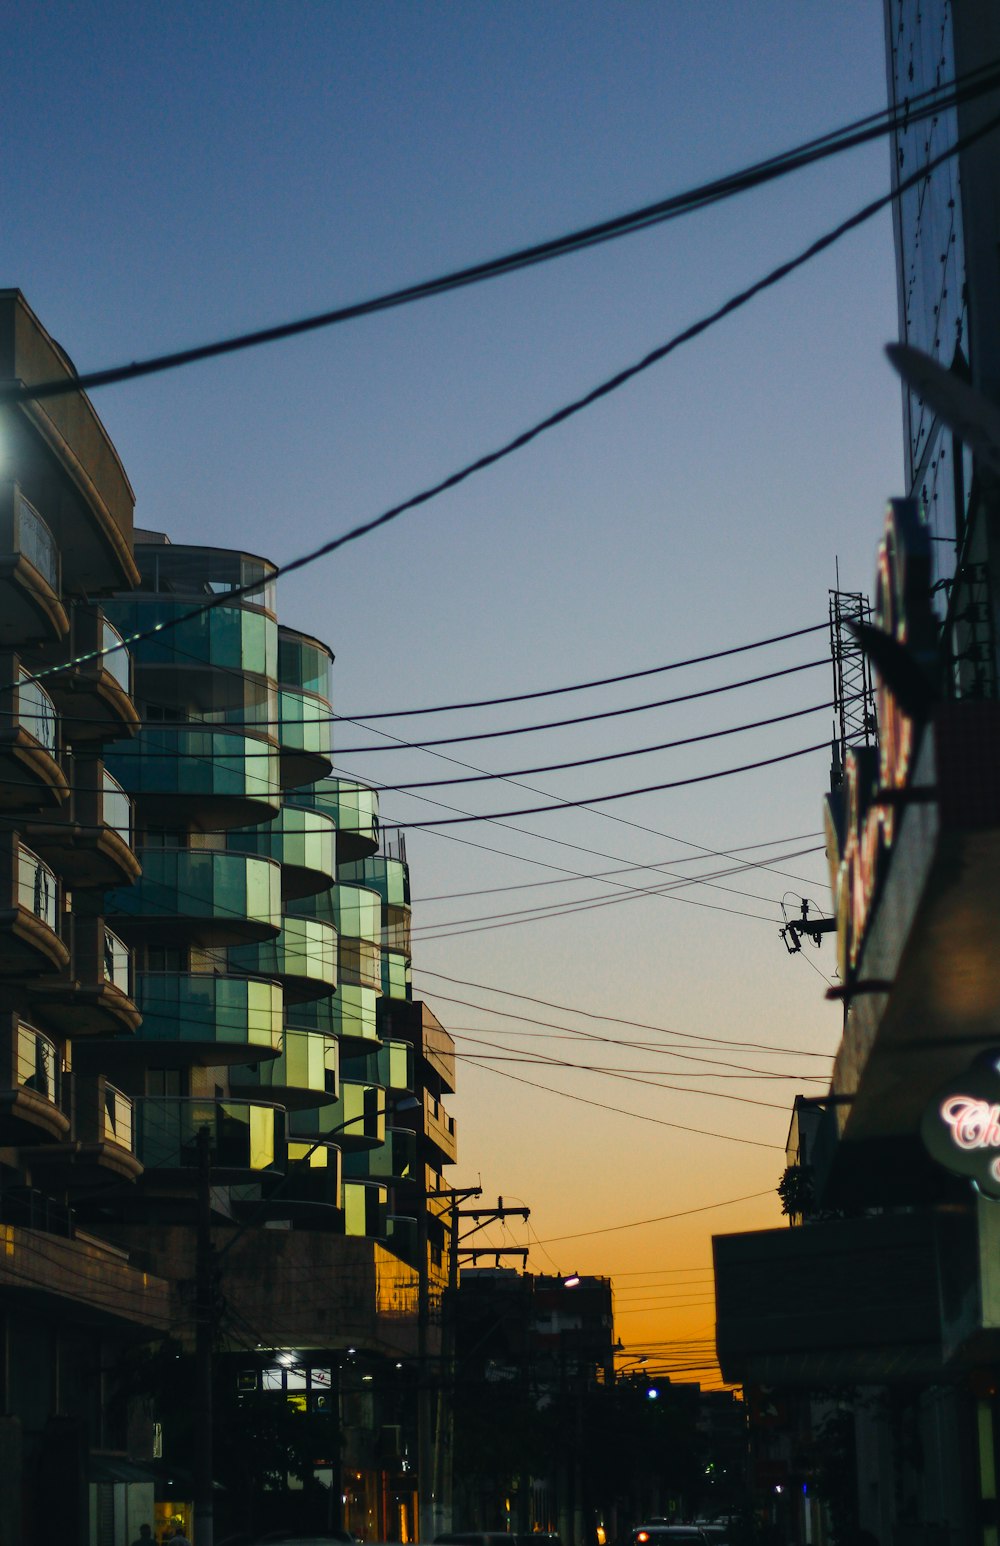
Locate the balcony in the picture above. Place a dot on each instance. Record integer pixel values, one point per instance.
(185, 775)
(395, 1060)
(357, 915)
(30, 775)
(305, 734)
(32, 609)
(101, 1149)
(397, 976)
(354, 809)
(303, 958)
(89, 841)
(219, 665)
(199, 896)
(201, 573)
(304, 663)
(395, 1160)
(366, 1209)
(308, 1193)
(30, 1085)
(191, 1018)
(247, 1138)
(92, 518)
(355, 1017)
(439, 1128)
(93, 996)
(305, 1073)
(390, 878)
(355, 1121)
(29, 924)
(94, 695)
(303, 842)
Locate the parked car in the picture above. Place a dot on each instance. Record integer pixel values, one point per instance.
(656, 1534)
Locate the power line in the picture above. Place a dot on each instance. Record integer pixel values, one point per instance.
(661, 1218)
(590, 1014)
(628, 1076)
(554, 908)
(603, 681)
(540, 427)
(577, 719)
(531, 885)
(862, 131)
(476, 1034)
(588, 762)
(621, 794)
(261, 725)
(636, 1116)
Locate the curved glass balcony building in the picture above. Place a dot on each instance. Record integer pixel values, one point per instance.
(183, 774)
(207, 896)
(246, 1137)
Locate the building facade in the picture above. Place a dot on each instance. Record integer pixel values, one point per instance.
(867, 1333)
(222, 1123)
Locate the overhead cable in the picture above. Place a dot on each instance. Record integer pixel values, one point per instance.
(621, 794)
(862, 131)
(552, 420)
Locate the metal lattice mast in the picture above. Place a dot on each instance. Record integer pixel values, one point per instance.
(856, 722)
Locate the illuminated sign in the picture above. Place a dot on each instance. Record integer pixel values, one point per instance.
(902, 611)
(961, 1126)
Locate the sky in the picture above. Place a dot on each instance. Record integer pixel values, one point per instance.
(180, 173)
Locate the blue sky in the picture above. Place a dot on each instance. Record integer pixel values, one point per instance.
(181, 172)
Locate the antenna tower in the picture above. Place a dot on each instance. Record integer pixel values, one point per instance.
(856, 721)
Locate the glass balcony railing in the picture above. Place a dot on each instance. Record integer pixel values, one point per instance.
(313, 1015)
(313, 1177)
(304, 664)
(23, 531)
(298, 840)
(366, 1209)
(116, 807)
(394, 1060)
(37, 888)
(119, 1126)
(389, 877)
(355, 1013)
(308, 1065)
(38, 1063)
(355, 913)
(243, 1135)
(115, 658)
(303, 957)
(395, 1160)
(227, 638)
(397, 975)
(117, 963)
(179, 569)
(306, 723)
(204, 1009)
(354, 809)
(177, 760)
(36, 712)
(232, 896)
(355, 1121)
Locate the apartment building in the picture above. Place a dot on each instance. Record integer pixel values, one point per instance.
(222, 1120)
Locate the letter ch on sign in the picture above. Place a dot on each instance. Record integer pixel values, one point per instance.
(961, 1126)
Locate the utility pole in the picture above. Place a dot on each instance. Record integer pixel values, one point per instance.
(436, 1480)
(204, 1503)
